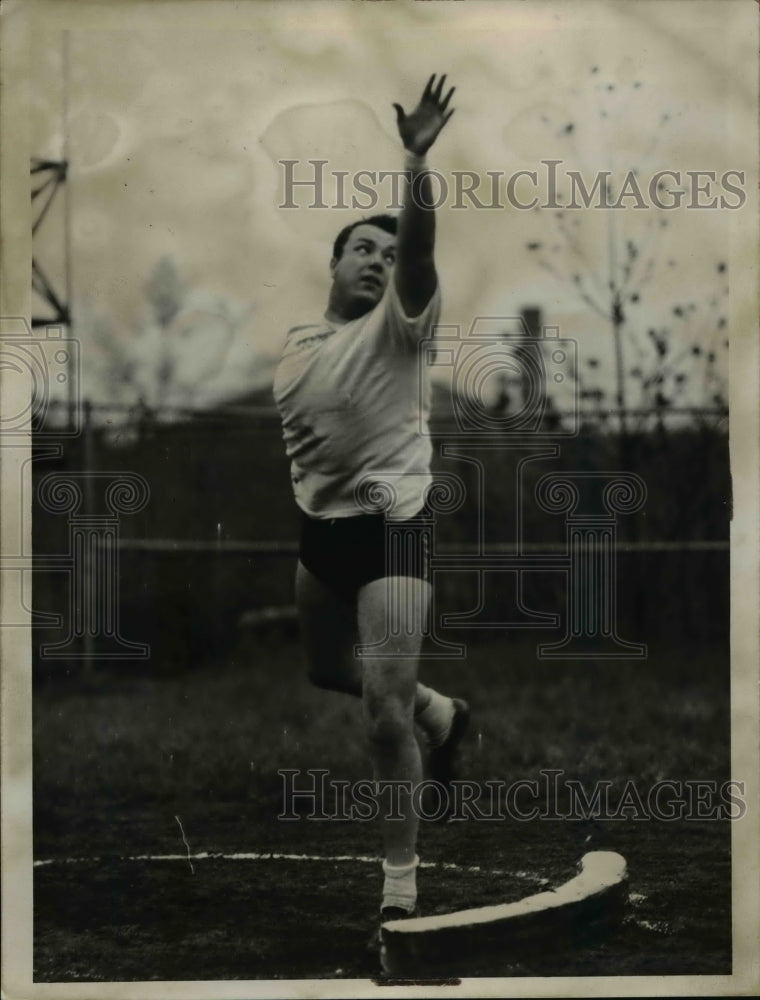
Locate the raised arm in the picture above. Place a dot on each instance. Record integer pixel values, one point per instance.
(414, 273)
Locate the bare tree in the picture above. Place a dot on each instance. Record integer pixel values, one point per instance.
(614, 283)
(184, 343)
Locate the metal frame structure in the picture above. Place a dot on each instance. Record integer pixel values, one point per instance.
(52, 175)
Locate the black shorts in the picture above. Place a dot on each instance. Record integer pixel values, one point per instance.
(345, 553)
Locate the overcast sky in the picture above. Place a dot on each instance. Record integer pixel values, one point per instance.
(175, 132)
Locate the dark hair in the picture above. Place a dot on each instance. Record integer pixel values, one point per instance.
(388, 223)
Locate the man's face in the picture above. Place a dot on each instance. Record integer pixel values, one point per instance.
(361, 274)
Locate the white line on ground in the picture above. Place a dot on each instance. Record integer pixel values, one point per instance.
(634, 898)
(276, 856)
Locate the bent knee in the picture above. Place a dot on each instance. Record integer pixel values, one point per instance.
(388, 720)
(318, 679)
(323, 675)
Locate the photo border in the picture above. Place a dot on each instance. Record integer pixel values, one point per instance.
(19, 20)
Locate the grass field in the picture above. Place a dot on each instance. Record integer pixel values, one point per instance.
(122, 760)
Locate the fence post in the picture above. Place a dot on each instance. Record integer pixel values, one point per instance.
(85, 593)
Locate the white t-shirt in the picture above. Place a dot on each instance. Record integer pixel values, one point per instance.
(354, 406)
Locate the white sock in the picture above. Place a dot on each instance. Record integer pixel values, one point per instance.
(400, 885)
(435, 718)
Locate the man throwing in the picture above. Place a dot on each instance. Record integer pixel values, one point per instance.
(347, 389)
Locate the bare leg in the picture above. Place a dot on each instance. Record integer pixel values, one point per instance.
(390, 685)
(329, 634)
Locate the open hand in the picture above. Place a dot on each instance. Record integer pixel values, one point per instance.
(420, 129)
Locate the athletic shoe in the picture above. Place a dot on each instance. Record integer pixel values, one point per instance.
(442, 759)
(397, 913)
(375, 943)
